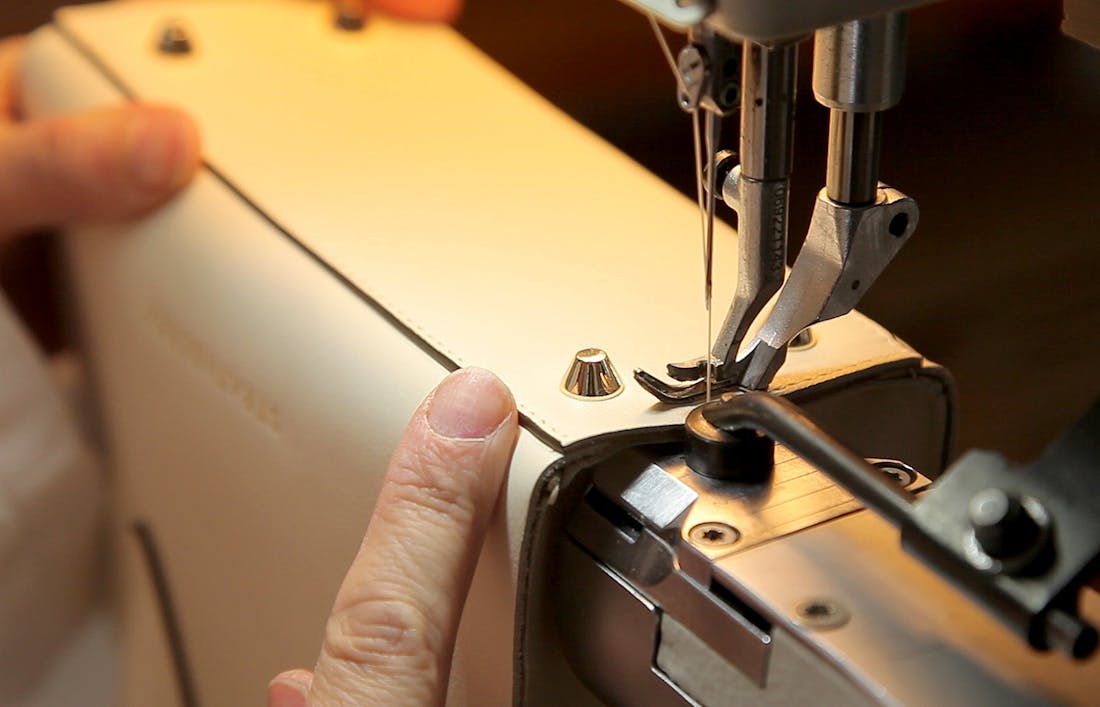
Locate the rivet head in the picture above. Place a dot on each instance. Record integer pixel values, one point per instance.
(350, 17)
(174, 39)
(591, 376)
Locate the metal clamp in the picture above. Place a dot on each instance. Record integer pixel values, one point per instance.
(846, 250)
(1021, 542)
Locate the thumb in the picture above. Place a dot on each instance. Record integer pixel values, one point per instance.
(392, 630)
(107, 165)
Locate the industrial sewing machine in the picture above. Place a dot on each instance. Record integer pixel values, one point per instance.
(259, 342)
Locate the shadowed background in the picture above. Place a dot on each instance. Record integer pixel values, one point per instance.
(995, 138)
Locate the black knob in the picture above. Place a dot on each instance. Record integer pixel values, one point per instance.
(746, 455)
(1002, 525)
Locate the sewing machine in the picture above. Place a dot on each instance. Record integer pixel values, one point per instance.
(382, 204)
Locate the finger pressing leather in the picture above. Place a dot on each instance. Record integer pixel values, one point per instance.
(107, 165)
(392, 630)
(289, 689)
(421, 10)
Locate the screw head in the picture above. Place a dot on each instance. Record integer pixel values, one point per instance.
(714, 535)
(692, 66)
(821, 614)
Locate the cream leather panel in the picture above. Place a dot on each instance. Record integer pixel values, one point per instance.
(253, 397)
(250, 424)
(379, 152)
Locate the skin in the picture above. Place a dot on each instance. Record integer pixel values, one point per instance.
(115, 163)
(390, 637)
(106, 165)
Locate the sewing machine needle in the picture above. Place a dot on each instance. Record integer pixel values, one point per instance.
(700, 200)
(712, 127)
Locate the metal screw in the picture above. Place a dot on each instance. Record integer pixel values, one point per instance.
(174, 39)
(692, 67)
(714, 535)
(821, 614)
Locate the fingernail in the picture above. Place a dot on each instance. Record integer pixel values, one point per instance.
(469, 404)
(160, 149)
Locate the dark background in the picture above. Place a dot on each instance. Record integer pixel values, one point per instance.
(996, 138)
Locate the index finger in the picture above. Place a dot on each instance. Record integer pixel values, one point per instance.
(392, 630)
(11, 58)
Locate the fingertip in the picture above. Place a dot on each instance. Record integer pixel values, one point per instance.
(393, 626)
(163, 147)
(105, 165)
(471, 403)
(290, 689)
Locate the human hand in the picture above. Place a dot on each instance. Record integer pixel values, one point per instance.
(113, 163)
(109, 164)
(392, 629)
(428, 10)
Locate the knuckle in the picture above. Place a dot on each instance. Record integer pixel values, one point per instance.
(437, 484)
(381, 633)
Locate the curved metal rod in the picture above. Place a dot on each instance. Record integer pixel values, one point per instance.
(787, 424)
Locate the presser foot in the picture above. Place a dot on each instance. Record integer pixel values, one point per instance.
(693, 389)
(753, 372)
(693, 369)
(680, 393)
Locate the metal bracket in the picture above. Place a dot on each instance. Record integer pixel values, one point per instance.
(1021, 542)
(846, 250)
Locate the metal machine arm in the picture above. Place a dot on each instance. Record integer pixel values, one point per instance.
(858, 225)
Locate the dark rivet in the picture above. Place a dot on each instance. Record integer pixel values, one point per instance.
(351, 19)
(174, 39)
